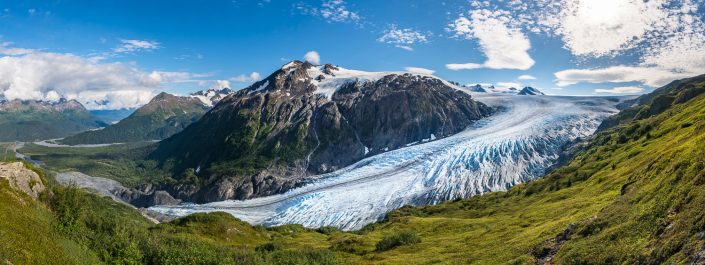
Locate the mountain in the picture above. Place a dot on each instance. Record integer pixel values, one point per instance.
(162, 117)
(477, 88)
(306, 119)
(212, 96)
(29, 120)
(658, 101)
(634, 195)
(530, 91)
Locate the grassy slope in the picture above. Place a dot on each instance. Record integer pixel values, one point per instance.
(119, 162)
(635, 196)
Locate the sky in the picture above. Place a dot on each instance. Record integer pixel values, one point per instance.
(119, 54)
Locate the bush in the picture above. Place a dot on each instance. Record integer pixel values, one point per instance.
(351, 244)
(269, 247)
(398, 239)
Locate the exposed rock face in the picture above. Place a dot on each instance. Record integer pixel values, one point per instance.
(146, 196)
(22, 179)
(304, 120)
(477, 88)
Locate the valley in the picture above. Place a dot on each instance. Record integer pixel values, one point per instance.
(341, 132)
(514, 146)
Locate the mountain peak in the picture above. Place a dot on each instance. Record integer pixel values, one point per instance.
(212, 96)
(477, 88)
(530, 91)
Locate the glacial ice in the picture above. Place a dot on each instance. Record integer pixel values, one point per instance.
(513, 146)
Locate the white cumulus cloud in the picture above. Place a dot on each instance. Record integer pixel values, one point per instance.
(252, 77)
(50, 76)
(526, 77)
(312, 57)
(220, 84)
(654, 41)
(503, 43)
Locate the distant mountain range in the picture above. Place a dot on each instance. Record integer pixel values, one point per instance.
(111, 116)
(526, 91)
(28, 120)
(308, 119)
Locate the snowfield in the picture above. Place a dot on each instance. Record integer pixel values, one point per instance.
(511, 147)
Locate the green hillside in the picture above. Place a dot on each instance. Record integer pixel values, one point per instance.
(164, 116)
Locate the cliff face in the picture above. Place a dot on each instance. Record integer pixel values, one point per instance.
(304, 120)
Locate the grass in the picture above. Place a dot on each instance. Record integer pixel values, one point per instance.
(7, 152)
(122, 163)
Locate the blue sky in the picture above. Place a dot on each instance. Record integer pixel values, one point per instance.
(123, 52)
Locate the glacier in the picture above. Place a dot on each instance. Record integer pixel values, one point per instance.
(516, 145)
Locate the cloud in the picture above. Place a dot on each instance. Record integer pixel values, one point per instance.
(526, 77)
(403, 38)
(663, 38)
(129, 46)
(220, 84)
(5, 49)
(312, 57)
(602, 27)
(504, 45)
(506, 85)
(49, 76)
(621, 90)
(650, 76)
(331, 11)
(252, 77)
(419, 70)
(337, 10)
(463, 66)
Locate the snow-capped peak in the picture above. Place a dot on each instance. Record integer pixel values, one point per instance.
(328, 78)
(212, 96)
(530, 91)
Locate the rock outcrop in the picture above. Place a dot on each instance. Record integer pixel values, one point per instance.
(22, 179)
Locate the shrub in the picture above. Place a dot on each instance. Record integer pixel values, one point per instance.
(269, 247)
(350, 244)
(398, 239)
